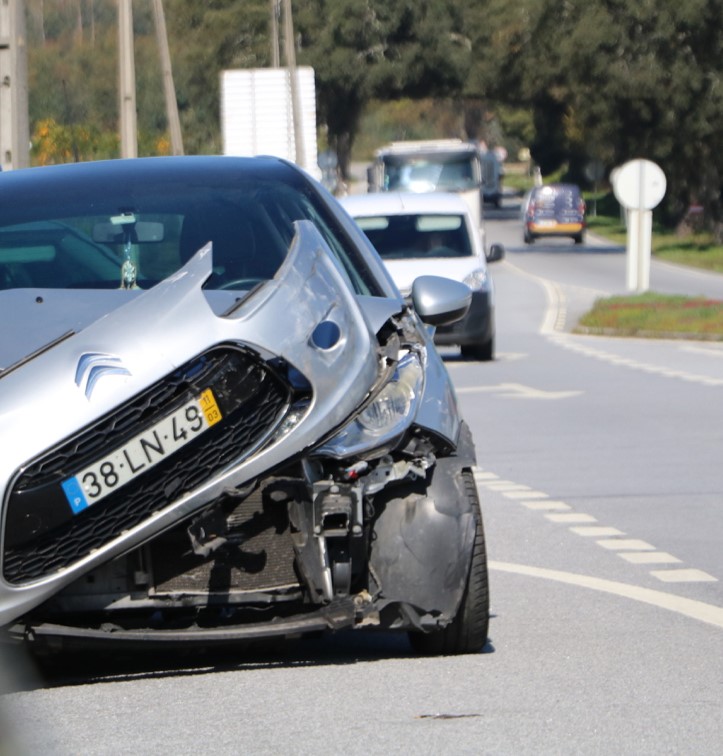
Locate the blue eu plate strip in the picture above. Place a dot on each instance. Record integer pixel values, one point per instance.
(74, 494)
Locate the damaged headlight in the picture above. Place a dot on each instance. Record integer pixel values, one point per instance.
(386, 417)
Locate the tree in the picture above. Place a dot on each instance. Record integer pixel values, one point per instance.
(614, 81)
(73, 77)
(378, 49)
(206, 37)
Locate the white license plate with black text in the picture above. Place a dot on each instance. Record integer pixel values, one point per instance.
(142, 452)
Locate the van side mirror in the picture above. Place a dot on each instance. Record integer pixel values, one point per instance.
(495, 253)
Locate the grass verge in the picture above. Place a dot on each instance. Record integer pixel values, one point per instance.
(655, 315)
(652, 315)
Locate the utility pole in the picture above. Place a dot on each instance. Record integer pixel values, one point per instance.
(290, 52)
(174, 123)
(127, 87)
(275, 12)
(14, 127)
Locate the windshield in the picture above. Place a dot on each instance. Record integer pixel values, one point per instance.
(429, 173)
(134, 235)
(399, 237)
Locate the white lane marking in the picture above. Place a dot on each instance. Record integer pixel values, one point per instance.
(632, 550)
(505, 485)
(649, 557)
(546, 505)
(683, 576)
(553, 326)
(572, 517)
(626, 544)
(596, 531)
(517, 391)
(520, 495)
(569, 342)
(710, 351)
(697, 610)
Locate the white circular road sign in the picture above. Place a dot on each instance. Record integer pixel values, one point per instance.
(639, 185)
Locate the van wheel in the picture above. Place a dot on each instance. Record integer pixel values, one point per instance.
(467, 632)
(579, 239)
(529, 238)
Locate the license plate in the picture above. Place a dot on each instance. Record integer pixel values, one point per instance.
(142, 452)
(546, 223)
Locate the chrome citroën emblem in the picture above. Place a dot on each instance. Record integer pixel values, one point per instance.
(92, 366)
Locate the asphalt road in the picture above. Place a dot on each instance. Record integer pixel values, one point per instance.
(600, 478)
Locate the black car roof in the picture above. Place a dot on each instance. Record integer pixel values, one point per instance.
(29, 184)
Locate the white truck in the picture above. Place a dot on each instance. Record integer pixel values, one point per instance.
(257, 114)
(435, 165)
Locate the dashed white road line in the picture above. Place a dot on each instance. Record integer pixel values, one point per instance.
(632, 550)
(527, 495)
(683, 576)
(649, 557)
(570, 517)
(547, 504)
(596, 531)
(506, 485)
(629, 544)
(570, 342)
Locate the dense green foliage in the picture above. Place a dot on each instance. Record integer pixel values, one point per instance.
(574, 81)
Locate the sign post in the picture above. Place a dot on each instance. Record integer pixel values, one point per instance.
(639, 185)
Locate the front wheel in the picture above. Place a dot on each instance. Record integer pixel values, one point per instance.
(467, 632)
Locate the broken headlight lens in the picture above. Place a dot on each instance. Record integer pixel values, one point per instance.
(387, 416)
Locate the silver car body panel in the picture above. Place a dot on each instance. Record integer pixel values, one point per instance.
(160, 329)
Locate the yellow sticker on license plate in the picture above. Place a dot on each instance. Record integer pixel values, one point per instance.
(142, 452)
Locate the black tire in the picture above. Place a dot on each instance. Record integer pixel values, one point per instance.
(529, 238)
(467, 633)
(483, 352)
(579, 238)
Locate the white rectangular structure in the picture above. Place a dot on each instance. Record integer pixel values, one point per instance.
(257, 116)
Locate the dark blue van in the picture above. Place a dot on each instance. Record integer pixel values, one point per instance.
(555, 210)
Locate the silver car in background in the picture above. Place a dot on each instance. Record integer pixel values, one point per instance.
(220, 420)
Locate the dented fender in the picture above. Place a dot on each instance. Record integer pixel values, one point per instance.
(424, 537)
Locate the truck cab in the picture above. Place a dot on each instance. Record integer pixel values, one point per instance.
(438, 165)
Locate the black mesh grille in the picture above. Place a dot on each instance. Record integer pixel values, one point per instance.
(41, 533)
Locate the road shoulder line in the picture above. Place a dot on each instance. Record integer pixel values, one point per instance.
(697, 610)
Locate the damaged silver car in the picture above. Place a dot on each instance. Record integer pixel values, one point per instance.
(219, 419)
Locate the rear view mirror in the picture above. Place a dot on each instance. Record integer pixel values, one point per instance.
(142, 232)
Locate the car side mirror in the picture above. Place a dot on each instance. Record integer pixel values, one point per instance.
(440, 301)
(495, 253)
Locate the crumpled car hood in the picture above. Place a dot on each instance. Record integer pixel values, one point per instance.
(46, 397)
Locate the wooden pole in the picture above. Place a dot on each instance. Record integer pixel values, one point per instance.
(128, 117)
(174, 123)
(290, 52)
